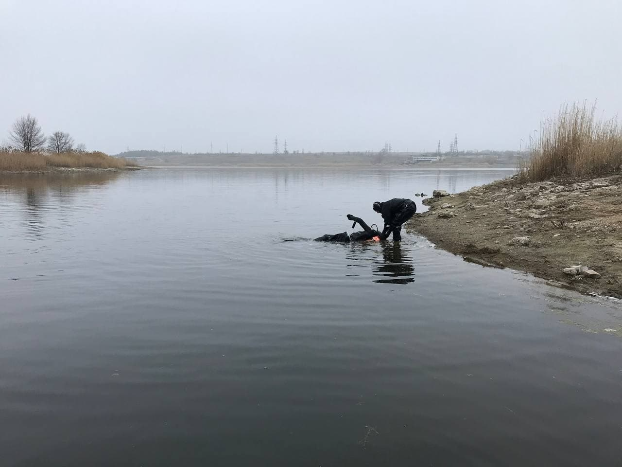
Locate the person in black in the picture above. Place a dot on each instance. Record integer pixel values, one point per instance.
(395, 212)
(366, 234)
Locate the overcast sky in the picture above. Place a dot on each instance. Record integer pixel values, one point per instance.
(325, 75)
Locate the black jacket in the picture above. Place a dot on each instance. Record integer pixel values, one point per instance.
(390, 208)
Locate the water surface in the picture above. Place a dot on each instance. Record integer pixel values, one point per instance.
(183, 317)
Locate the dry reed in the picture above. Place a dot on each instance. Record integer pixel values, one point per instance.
(574, 144)
(18, 162)
(24, 162)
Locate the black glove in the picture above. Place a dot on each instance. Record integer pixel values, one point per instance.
(386, 231)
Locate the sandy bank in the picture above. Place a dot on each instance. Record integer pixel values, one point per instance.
(541, 228)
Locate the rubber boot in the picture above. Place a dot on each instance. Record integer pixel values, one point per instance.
(397, 234)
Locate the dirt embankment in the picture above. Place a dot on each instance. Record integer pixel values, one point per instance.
(542, 228)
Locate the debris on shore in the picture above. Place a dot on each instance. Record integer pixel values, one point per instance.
(551, 229)
(581, 271)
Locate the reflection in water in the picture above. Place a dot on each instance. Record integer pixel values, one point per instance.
(447, 178)
(61, 183)
(396, 267)
(33, 219)
(35, 191)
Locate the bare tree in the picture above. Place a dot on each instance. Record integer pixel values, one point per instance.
(26, 134)
(60, 142)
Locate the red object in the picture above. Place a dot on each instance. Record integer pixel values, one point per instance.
(376, 239)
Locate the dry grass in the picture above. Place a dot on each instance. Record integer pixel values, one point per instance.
(575, 144)
(23, 162)
(18, 162)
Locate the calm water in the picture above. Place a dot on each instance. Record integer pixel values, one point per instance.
(182, 317)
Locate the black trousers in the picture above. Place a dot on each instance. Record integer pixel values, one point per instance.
(408, 210)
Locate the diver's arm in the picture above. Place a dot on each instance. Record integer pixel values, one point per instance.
(361, 222)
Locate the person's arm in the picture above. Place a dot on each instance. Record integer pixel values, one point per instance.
(388, 228)
(359, 221)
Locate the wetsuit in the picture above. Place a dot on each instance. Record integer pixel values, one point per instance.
(337, 238)
(366, 234)
(396, 212)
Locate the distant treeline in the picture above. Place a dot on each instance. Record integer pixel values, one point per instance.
(322, 159)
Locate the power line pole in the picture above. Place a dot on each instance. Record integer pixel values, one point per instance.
(285, 148)
(276, 145)
(438, 149)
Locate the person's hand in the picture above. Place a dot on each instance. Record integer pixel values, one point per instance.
(350, 217)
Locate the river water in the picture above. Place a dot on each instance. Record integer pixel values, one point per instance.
(184, 317)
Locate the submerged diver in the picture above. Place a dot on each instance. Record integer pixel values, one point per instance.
(366, 234)
(395, 212)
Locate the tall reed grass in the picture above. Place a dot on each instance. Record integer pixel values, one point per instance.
(22, 162)
(574, 144)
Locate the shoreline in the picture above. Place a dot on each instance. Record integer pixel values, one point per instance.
(540, 228)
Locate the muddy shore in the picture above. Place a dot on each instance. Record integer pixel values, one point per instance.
(541, 228)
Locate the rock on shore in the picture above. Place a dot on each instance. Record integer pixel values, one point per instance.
(542, 228)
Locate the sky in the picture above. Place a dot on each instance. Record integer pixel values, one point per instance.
(333, 75)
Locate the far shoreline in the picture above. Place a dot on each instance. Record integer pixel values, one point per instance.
(334, 166)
